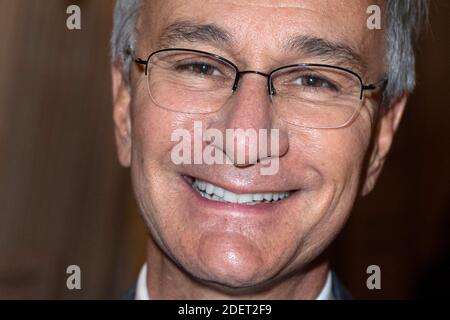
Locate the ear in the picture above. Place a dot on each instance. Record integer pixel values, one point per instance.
(121, 115)
(387, 125)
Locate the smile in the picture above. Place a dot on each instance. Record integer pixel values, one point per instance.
(215, 193)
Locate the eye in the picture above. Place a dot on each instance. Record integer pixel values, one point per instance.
(200, 68)
(314, 81)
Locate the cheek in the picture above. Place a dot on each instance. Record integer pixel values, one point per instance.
(344, 155)
(333, 153)
(347, 152)
(343, 150)
(152, 129)
(337, 156)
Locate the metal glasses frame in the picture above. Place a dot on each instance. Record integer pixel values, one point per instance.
(270, 86)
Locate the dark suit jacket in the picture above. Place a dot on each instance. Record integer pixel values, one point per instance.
(339, 291)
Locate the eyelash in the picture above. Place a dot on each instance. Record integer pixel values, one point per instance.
(191, 66)
(328, 83)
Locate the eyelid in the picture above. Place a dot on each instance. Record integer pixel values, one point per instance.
(194, 64)
(199, 60)
(198, 63)
(312, 75)
(329, 83)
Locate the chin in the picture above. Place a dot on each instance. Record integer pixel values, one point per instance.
(230, 260)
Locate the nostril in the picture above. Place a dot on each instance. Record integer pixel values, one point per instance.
(244, 165)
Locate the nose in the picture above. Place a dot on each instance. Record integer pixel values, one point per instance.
(251, 130)
(270, 88)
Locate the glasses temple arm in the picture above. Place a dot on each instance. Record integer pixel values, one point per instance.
(380, 85)
(130, 52)
(140, 61)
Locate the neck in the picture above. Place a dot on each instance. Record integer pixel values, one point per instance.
(166, 280)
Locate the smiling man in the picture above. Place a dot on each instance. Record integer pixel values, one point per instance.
(310, 71)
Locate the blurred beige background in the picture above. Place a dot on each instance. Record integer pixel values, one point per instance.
(65, 200)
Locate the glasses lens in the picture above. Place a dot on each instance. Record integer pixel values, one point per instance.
(316, 97)
(189, 82)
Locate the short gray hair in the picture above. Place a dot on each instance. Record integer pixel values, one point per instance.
(405, 19)
(123, 39)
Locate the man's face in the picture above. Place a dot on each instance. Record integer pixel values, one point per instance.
(235, 244)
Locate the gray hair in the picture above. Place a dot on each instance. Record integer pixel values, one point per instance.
(405, 19)
(123, 38)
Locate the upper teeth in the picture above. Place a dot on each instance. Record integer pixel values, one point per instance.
(216, 193)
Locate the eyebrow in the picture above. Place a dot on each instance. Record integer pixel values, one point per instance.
(327, 50)
(186, 31)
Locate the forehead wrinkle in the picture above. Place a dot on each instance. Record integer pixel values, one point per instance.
(267, 4)
(192, 31)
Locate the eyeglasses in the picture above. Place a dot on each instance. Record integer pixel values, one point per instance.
(306, 95)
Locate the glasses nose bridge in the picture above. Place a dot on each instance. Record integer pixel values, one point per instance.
(270, 88)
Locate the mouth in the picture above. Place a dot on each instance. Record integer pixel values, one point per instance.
(215, 193)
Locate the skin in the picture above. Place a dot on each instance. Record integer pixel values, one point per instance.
(196, 251)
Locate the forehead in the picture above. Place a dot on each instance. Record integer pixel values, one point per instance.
(265, 26)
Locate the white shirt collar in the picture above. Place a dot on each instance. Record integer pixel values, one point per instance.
(142, 293)
(141, 286)
(327, 291)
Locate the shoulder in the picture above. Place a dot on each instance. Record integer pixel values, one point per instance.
(130, 294)
(339, 291)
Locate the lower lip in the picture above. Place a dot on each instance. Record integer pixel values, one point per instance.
(260, 208)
